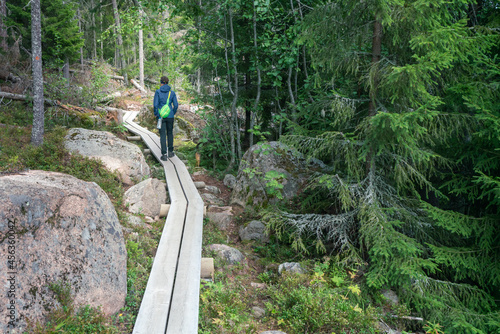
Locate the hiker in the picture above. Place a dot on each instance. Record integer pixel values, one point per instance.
(165, 96)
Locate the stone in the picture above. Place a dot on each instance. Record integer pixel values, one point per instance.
(61, 230)
(255, 230)
(221, 216)
(258, 285)
(213, 189)
(116, 154)
(290, 168)
(291, 267)
(211, 199)
(146, 197)
(272, 332)
(229, 181)
(229, 254)
(258, 312)
(391, 296)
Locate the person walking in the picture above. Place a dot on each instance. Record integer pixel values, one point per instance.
(165, 96)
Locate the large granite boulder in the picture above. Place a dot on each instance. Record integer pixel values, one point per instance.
(57, 229)
(146, 197)
(117, 155)
(268, 172)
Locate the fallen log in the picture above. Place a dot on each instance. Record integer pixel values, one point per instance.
(20, 97)
(136, 85)
(117, 77)
(116, 114)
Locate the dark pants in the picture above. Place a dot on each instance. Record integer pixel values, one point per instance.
(167, 133)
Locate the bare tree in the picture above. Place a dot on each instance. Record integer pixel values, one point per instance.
(119, 39)
(36, 45)
(3, 29)
(141, 45)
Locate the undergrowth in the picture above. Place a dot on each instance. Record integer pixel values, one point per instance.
(65, 318)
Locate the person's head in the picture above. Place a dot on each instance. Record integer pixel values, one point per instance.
(164, 80)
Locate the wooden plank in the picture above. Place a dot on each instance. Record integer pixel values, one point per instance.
(183, 318)
(171, 300)
(153, 312)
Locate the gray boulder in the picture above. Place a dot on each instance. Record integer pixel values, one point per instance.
(258, 312)
(269, 160)
(229, 181)
(58, 229)
(229, 254)
(222, 216)
(212, 189)
(255, 230)
(146, 197)
(291, 267)
(117, 155)
(211, 199)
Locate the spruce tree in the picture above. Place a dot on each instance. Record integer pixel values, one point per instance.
(393, 65)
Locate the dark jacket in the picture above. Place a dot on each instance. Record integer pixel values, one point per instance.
(160, 100)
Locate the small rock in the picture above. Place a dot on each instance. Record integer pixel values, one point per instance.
(291, 267)
(199, 184)
(213, 189)
(231, 255)
(146, 197)
(212, 199)
(255, 230)
(229, 181)
(258, 312)
(221, 216)
(258, 285)
(390, 296)
(137, 222)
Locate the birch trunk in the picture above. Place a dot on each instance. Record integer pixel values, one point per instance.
(36, 46)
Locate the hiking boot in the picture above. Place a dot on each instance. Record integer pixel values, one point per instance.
(164, 157)
(171, 154)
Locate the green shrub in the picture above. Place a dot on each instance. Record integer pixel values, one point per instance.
(309, 305)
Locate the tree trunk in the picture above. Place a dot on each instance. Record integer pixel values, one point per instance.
(66, 72)
(119, 40)
(141, 50)
(198, 71)
(36, 46)
(376, 55)
(94, 35)
(259, 78)
(234, 129)
(3, 29)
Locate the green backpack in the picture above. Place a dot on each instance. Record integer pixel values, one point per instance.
(165, 110)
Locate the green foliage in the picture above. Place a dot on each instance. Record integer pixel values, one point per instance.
(61, 38)
(222, 308)
(95, 90)
(304, 304)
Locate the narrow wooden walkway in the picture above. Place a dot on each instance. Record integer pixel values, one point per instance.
(171, 300)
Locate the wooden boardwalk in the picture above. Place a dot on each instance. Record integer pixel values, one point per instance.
(171, 300)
